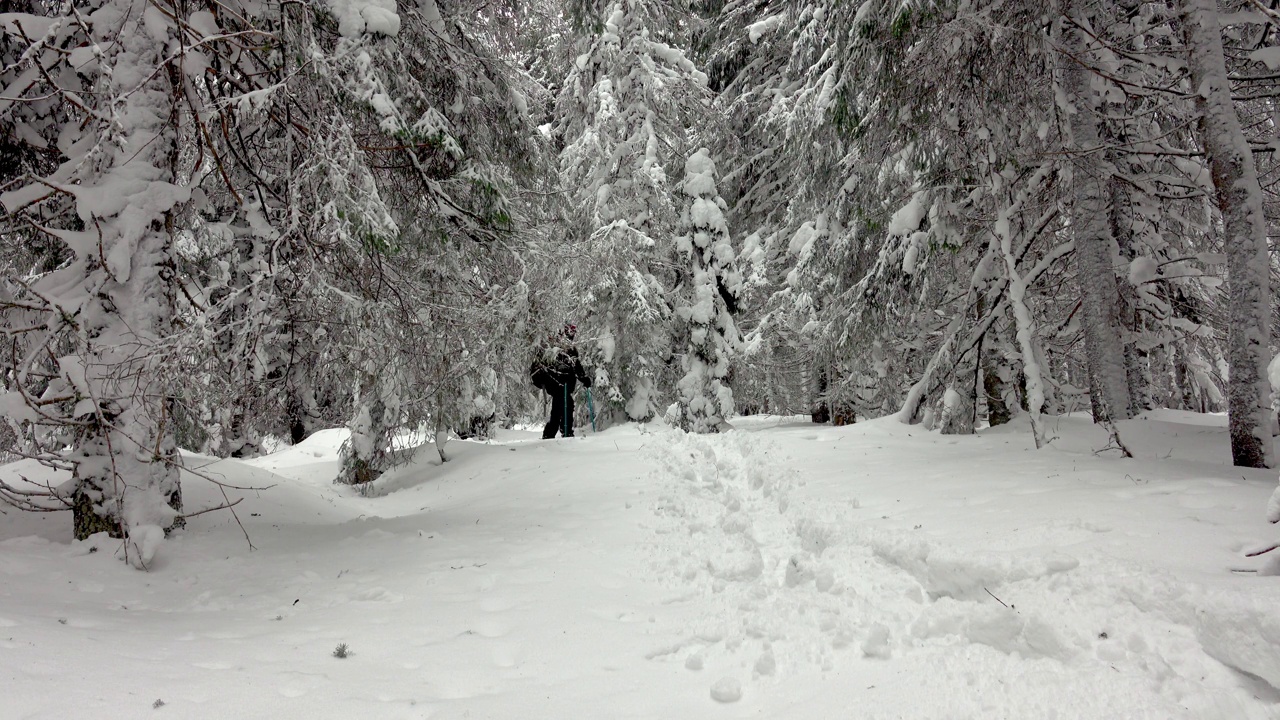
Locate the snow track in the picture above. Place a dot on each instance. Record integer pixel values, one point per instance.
(774, 585)
(779, 587)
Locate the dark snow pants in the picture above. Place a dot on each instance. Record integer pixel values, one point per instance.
(561, 413)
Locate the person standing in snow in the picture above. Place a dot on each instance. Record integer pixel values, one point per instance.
(556, 370)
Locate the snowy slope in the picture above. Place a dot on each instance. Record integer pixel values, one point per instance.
(780, 570)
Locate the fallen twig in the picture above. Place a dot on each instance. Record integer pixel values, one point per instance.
(218, 507)
(219, 483)
(1262, 550)
(222, 488)
(996, 598)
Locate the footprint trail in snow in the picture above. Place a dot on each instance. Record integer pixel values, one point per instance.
(771, 586)
(779, 588)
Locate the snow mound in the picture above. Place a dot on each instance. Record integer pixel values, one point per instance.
(726, 690)
(964, 575)
(141, 546)
(1241, 633)
(876, 643)
(993, 625)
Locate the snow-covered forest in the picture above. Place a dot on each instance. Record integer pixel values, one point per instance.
(271, 268)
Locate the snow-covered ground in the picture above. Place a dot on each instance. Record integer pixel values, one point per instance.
(782, 570)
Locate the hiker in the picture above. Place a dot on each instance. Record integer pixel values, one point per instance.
(556, 370)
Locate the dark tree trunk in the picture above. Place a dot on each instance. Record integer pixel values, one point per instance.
(1239, 198)
(1091, 229)
(820, 411)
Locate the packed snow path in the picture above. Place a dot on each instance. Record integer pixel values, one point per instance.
(793, 591)
(780, 570)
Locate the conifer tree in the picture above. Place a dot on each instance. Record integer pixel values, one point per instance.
(707, 298)
(624, 117)
(105, 316)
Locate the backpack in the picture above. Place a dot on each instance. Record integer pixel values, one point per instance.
(539, 372)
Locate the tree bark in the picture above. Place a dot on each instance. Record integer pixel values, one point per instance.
(1090, 223)
(1239, 198)
(1137, 365)
(819, 410)
(1002, 246)
(995, 380)
(960, 398)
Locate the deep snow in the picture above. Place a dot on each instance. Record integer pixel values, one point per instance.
(779, 570)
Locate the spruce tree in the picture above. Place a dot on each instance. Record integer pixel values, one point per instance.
(707, 299)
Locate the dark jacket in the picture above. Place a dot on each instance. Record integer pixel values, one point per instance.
(556, 367)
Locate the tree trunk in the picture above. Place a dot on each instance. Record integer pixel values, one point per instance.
(1094, 244)
(819, 410)
(1024, 323)
(1239, 198)
(441, 438)
(1137, 365)
(1184, 397)
(126, 460)
(960, 399)
(991, 350)
(993, 384)
(363, 456)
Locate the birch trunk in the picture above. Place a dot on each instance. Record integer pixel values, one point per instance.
(1239, 198)
(1090, 224)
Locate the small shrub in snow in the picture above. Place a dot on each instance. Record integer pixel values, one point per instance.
(342, 652)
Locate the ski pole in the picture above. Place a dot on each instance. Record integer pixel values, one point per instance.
(591, 410)
(566, 410)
